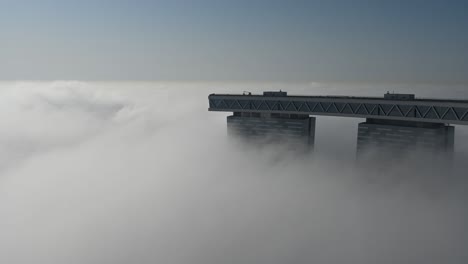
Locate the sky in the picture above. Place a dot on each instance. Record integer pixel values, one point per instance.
(256, 40)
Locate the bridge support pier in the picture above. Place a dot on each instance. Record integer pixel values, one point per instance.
(293, 129)
(390, 138)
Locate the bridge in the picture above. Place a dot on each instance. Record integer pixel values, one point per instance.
(394, 120)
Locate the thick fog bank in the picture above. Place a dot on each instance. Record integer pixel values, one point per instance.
(142, 173)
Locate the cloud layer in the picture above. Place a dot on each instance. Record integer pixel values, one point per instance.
(142, 173)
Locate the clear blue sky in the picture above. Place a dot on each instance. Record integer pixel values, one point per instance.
(235, 40)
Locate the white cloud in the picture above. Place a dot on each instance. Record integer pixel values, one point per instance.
(142, 173)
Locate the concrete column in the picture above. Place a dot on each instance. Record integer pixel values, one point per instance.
(296, 130)
(388, 138)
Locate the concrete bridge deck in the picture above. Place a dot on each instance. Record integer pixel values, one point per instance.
(391, 106)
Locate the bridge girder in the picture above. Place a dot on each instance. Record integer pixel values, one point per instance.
(419, 110)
